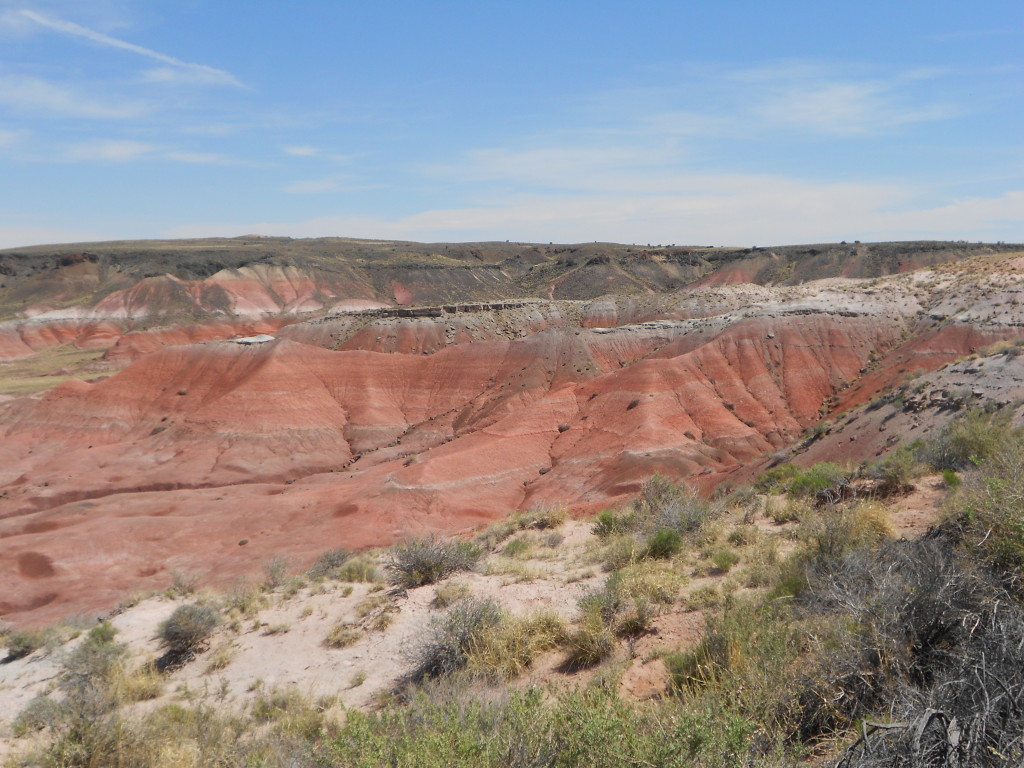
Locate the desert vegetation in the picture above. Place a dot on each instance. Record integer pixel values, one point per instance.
(824, 637)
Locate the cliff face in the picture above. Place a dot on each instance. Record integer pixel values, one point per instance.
(358, 428)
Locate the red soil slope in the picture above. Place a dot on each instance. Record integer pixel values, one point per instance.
(294, 447)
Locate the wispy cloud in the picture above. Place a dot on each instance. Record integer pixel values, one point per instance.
(8, 138)
(302, 151)
(846, 108)
(33, 94)
(126, 150)
(313, 186)
(177, 71)
(112, 151)
(723, 210)
(328, 184)
(200, 158)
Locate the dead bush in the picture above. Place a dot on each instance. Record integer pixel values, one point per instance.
(420, 561)
(185, 632)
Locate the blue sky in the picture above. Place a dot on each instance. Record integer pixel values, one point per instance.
(724, 123)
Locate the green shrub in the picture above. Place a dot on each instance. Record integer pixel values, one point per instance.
(41, 712)
(988, 508)
(445, 645)
(776, 479)
(896, 471)
(663, 544)
(328, 564)
(828, 534)
(96, 658)
(609, 523)
(624, 605)
(517, 548)
(968, 440)
(187, 629)
(821, 477)
(416, 562)
(21, 643)
(359, 569)
(725, 559)
(950, 478)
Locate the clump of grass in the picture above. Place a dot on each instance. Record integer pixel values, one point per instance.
(416, 562)
(608, 523)
(506, 649)
(358, 569)
(588, 644)
(448, 594)
(220, 658)
(744, 536)
(542, 518)
(445, 644)
(829, 533)
(22, 642)
(790, 511)
(517, 548)
(41, 712)
(624, 606)
(140, 684)
(704, 598)
(725, 559)
(182, 584)
(894, 473)
(657, 582)
(553, 539)
(275, 572)
(342, 635)
(245, 599)
(328, 564)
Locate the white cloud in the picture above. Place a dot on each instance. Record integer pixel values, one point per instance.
(846, 108)
(302, 151)
(182, 71)
(200, 158)
(213, 129)
(191, 75)
(112, 151)
(33, 94)
(313, 186)
(565, 167)
(722, 210)
(328, 184)
(8, 138)
(122, 150)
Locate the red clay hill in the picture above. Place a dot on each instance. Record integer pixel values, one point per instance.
(253, 398)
